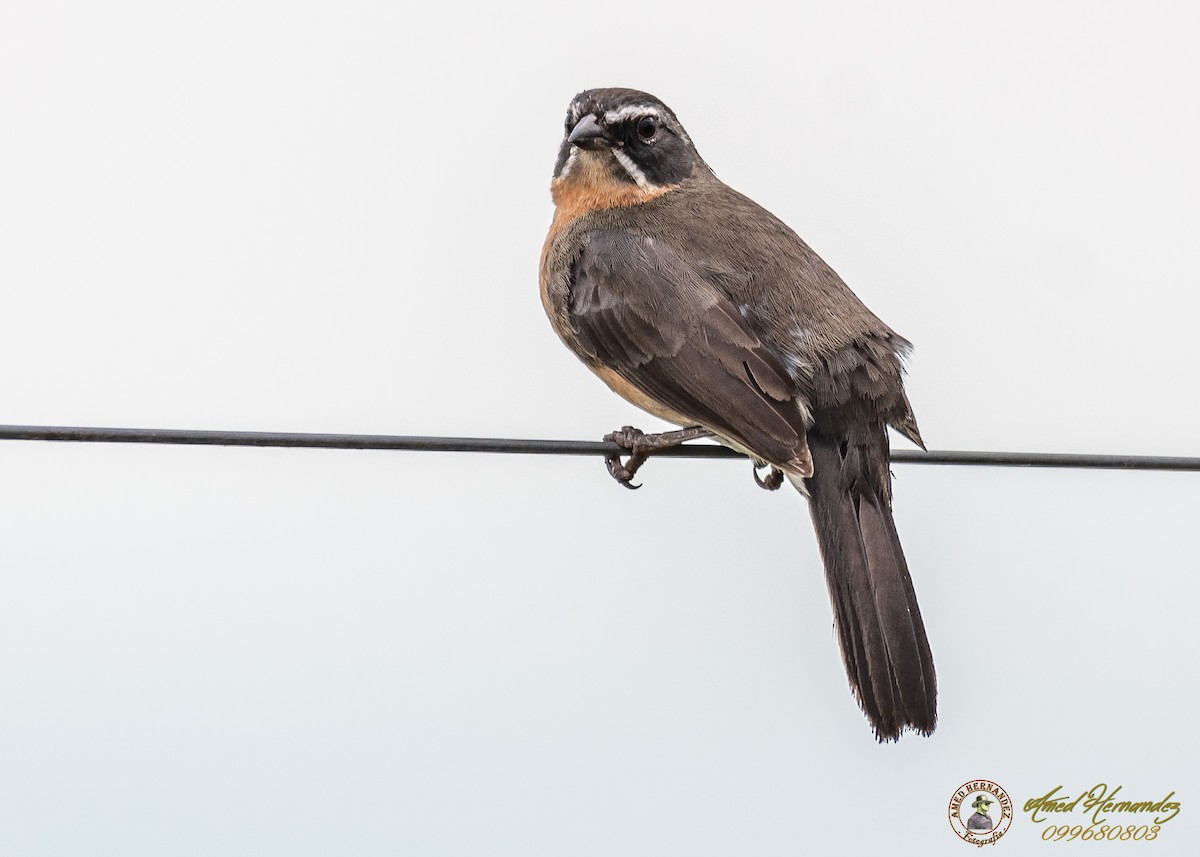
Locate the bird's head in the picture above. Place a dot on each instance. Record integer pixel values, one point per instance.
(625, 143)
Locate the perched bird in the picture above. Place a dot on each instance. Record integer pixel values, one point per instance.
(702, 308)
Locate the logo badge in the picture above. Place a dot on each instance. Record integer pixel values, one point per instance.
(980, 812)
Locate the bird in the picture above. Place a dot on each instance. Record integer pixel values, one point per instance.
(700, 307)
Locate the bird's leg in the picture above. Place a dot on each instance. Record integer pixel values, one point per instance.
(773, 480)
(641, 446)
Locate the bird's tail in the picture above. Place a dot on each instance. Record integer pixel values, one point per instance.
(879, 625)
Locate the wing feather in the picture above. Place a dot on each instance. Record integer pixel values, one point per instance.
(640, 309)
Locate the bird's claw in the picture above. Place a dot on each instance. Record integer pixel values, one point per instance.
(620, 472)
(633, 440)
(773, 480)
(640, 446)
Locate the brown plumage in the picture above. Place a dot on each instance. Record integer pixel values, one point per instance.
(701, 307)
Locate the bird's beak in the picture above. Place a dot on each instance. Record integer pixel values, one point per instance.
(587, 134)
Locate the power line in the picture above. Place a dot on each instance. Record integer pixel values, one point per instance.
(556, 447)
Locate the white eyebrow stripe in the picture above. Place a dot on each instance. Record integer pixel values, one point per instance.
(634, 171)
(630, 110)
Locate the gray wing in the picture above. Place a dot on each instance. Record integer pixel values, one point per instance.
(638, 307)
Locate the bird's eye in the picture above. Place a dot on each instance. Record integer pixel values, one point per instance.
(647, 128)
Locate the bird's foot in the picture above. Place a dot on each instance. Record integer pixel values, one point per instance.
(772, 481)
(641, 446)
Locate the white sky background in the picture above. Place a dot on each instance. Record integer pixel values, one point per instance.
(328, 218)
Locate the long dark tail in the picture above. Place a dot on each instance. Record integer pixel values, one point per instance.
(875, 609)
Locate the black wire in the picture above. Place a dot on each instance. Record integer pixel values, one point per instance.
(556, 447)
